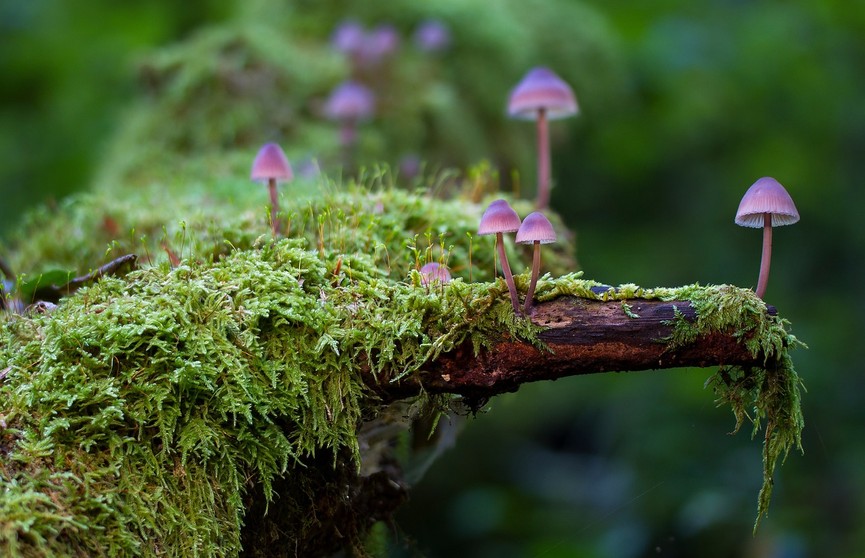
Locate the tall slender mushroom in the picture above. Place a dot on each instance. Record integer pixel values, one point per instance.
(536, 229)
(348, 104)
(766, 204)
(271, 166)
(542, 96)
(501, 218)
(348, 38)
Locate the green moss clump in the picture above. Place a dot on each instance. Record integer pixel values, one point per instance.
(142, 412)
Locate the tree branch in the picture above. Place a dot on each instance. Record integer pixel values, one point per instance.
(581, 336)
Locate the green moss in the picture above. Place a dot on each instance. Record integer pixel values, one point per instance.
(169, 392)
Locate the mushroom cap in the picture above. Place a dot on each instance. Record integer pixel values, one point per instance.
(348, 37)
(766, 196)
(536, 228)
(271, 163)
(350, 101)
(499, 217)
(539, 89)
(381, 42)
(432, 35)
(434, 272)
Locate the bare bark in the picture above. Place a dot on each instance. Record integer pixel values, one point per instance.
(581, 337)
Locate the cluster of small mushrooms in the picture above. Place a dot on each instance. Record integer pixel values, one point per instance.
(542, 96)
(536, 229)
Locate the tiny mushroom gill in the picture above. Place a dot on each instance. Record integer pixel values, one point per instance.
(542, 95)
(766, 204)
(500, 218)
(271, 166)
(536, 229)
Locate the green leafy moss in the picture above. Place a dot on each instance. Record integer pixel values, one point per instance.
(158, 399)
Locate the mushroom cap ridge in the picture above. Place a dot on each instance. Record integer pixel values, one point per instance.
(536, 228)
(539, 89)
(499, 217)
(766, 196)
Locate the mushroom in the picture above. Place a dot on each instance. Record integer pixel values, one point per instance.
(434, 272)
(536, 229)
(766, 204)
(380, 44)
(542, 96)
(500, 218)
(349, 104)
(432, 35)
(271, 165)
(348, 37)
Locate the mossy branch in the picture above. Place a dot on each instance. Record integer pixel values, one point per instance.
(579, 336)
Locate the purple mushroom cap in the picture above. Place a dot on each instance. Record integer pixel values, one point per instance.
(271, 163)
(348, 37)
(540, 89)
(766, 196)
(350, 101)
(536, 228)
(434, 272)
(432, 36)
(499, 217)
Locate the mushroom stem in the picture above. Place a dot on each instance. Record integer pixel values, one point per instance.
(274, 206)
(536, 266)
(347, 141)
(767, 255)
(506, 268)
(543, 197)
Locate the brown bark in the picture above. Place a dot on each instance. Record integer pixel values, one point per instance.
(582, 336)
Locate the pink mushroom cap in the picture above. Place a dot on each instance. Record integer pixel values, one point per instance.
(434, 272)
(348, 37)
(499, 217)
(350, 101)
(766, 196)
(381, 42)
(271, 163)
(536, 228)
(540, 89)
(432, 35)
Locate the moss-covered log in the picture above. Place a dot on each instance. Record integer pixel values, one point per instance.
(251, 392)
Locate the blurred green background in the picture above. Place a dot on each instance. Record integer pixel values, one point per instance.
(684, 105)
